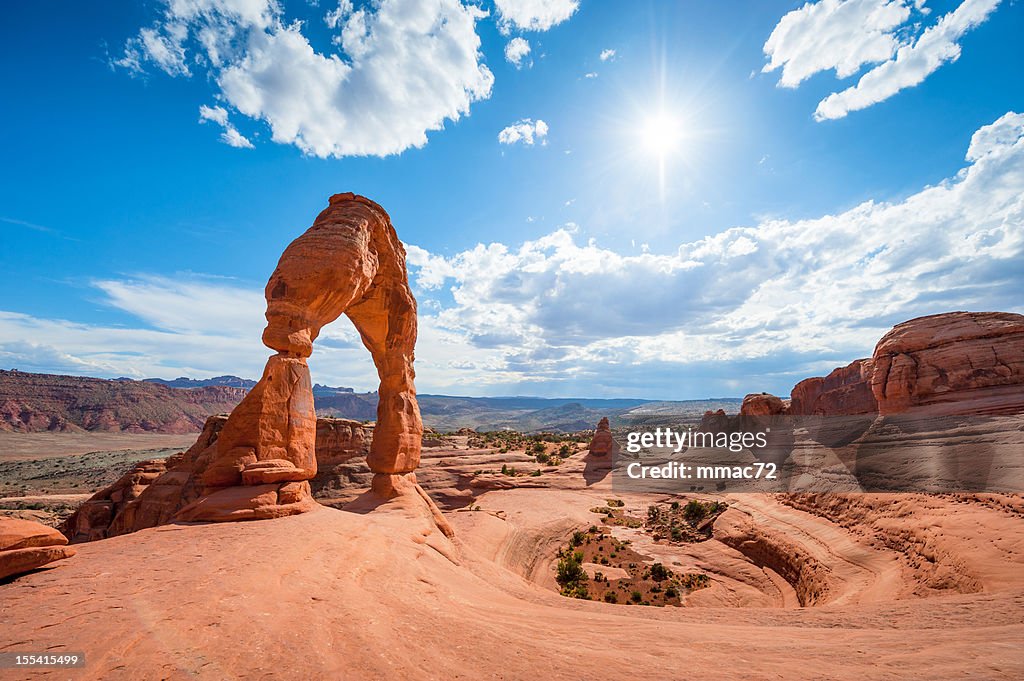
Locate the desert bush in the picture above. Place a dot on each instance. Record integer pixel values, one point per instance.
(571, 576)
(660, 573)
(636, 596)
(695, 511)
(695, 581)
(610, 597)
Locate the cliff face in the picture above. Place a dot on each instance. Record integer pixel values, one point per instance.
(844, 392)
(960, 361)
(45, 402)
(951, 363)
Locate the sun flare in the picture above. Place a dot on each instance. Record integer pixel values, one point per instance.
(661, 133)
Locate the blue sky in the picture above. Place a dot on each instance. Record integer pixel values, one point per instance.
(657, 199)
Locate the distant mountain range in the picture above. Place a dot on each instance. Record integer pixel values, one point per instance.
(231, 382)
(182, 382)
(45, 402)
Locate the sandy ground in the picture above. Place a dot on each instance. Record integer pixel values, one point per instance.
(29, 446)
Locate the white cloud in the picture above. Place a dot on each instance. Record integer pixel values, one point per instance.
(561, 315)
(404, 68)
(592, 74)
(846, 35)
(821, 290)
(913, 62)
(336, 17)
(525, 131)
(533, 15)
(991, 139)
(516, 50)
(842, 35)
(230, 135)
(607, 54)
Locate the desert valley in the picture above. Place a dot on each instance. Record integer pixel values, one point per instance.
(286, 541)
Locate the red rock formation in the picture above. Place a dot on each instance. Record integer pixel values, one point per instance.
(602, 443)
(846, 391)
(951, 363)
(260, 463)
(958, 362)
(153, 492)
(349, 262)
(762, 404)
(27, 545)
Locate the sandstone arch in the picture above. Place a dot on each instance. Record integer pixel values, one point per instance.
(349, 262)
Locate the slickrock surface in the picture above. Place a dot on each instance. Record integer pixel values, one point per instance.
(26, 545)
(385, 595)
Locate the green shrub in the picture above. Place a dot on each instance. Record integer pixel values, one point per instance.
(695, 511)
(571, 576)
(636, 596)
(660, 573)
(610, 597)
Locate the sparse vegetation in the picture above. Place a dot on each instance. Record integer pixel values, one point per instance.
(655, 583)
(682, 523)
(571, 575)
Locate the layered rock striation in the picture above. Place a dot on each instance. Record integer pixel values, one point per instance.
(959, 362)
(26, 545)
(951, 363)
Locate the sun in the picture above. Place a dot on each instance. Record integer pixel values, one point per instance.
(661, 133)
